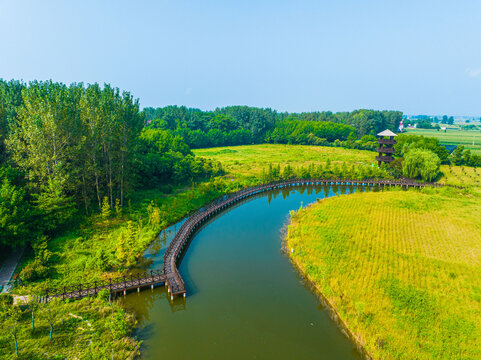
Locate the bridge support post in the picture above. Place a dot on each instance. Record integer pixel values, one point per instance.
(172, 297)
(152, 287)
(138, 289)
(125, 292)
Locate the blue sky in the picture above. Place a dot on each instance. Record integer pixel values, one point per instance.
(420, 57)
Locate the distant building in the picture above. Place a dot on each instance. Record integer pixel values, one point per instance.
(386, 147)
(401, 126)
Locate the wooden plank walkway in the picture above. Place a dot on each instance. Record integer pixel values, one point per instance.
(180, 242)
(169, 275)
(148, 278)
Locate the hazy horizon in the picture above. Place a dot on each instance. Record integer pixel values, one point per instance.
(418, 57)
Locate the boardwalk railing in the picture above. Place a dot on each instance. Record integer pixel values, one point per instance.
(123, 283)
(170, 275)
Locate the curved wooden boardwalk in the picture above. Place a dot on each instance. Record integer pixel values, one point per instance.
(169, 275)
(172, 256)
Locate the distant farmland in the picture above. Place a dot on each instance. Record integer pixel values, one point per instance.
(454, 137)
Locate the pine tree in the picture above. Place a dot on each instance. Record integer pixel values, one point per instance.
(118, 209)
(106, 212)
(121, 248)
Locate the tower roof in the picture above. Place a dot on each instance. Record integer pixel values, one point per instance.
(386, 133)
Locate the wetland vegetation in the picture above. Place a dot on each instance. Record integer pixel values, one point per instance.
(88, 181)
(401, 268)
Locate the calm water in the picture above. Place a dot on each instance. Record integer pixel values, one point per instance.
(245, 300)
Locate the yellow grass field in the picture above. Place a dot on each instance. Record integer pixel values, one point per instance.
(249, 160)
(402, 268)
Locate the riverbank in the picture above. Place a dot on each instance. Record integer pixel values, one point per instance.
(333, 313)
(399, 269)
(97, 247)
(90, 250)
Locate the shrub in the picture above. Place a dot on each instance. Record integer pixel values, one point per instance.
(6, 299)
(34, 271)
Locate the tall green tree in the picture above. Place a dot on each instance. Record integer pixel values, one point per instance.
(15, 213)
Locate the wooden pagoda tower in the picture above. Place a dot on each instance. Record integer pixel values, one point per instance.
(386, 147)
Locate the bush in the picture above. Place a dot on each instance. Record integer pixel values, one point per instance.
(6, 299)
(395, 167)
(422, 164)
(34, 271)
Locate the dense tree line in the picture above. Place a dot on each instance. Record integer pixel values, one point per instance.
(242, 125)
(462, 156)
(65, 149)
(293, 131)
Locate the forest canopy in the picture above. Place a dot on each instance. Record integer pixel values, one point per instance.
(243, 125)
(70, 149)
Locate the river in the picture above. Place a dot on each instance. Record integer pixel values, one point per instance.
(245, 300)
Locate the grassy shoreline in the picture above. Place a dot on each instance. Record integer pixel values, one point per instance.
(245, 165)
(315, 288)
(400, 296)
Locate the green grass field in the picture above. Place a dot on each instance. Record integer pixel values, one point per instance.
(453, 137)
(401, 268)
(249, 160)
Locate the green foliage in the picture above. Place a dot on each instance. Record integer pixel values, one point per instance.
(462, 156)
(359, 171)
(53, 206)
(154, 214)
(118, 209)
(420, 163)
(104, 295)
(78, 139)
(241, 125)
(106, 212)
(5, 299)
(425, 124)
(39, 267)
(10, 317)
(15, 214)
(406, 143)
(84, 329)
(164, 158)
(294, 131)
